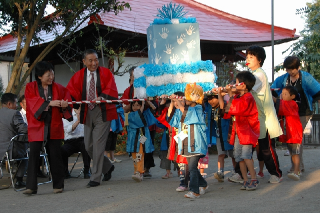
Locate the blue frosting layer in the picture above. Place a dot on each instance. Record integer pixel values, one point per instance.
(194, 67)
(172, 88)
(140, 82)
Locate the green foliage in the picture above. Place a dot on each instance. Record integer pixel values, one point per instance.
(122, 141)
(308, 47)
(228, 70)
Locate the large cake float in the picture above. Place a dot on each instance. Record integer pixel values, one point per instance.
(174, 56)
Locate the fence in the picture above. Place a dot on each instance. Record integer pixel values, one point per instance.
(314, 138)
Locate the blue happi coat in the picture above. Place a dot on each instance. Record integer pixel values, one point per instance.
(196, 117)
(309, 85)
(164, 141)
(175, 120)
(212, 130)
(116, 125)
(137, 121)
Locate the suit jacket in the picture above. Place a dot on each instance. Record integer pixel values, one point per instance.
(11, 124)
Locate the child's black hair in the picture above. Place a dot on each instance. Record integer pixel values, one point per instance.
(247, 78)
(179, 93)
(291, 62)
(293, 91)
(258, 52)
(139, 102)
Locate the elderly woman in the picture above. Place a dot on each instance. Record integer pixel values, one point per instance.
(46, 106)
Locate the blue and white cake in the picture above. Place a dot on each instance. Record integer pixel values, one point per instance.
(174, 56)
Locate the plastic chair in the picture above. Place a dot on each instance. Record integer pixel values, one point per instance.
(21, 138)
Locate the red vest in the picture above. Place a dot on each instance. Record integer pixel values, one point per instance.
(293, 132)
(247, 125)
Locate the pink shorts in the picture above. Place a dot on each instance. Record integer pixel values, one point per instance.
(203, 162)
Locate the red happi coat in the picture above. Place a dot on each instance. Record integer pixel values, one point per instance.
(128, 94)
(172, 149)
(105, 87)
(36, 105)
(293, 132)
(246, 125)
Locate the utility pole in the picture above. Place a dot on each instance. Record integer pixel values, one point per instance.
(272, 38)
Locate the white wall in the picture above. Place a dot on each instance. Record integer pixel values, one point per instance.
(123, 81)
(4, 67)
(63, 72)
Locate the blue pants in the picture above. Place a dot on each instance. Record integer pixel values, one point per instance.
(196, 179)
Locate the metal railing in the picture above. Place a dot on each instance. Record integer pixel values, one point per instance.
(314, 138)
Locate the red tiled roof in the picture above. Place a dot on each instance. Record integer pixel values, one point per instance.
(215, 25)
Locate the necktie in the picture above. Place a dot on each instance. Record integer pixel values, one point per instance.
(92, 90)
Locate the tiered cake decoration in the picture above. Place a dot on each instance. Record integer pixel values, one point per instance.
(174, 56)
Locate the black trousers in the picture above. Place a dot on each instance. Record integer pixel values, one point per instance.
(267, 152)
(72, 146)
(148, 157)
(19, 151)
(55, 160)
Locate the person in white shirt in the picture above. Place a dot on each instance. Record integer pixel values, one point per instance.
(23, 104)
(74, 142)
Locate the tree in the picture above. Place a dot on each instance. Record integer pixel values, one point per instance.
(1, 87)
(228, 70)
(308, 47)
(102, 41)
(26, 19)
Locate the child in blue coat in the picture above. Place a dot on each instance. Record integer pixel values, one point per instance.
(192, 139)
(139, 139)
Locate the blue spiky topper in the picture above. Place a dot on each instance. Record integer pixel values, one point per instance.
(171, 11)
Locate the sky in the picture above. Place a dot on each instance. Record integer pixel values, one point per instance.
(260, 10)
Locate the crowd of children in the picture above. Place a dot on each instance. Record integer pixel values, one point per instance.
(237, 119)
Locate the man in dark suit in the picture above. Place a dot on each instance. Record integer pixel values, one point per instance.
(11, 124)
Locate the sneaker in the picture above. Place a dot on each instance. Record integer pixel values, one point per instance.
(204, 175)
(294, 176)
(137, 177)
(287, 153)
(253, 185)
(274, 179)
(181, 189)
(147, 175)
(260, 175)
(249, 175)
(202, 190)
(245, 185)
(192, 195)
(115, 160)
(219, 176)
(235, 178)
(166, 176)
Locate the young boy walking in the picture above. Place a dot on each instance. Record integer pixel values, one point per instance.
(246, 126)
(288, 109)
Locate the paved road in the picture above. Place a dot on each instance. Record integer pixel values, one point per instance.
(122, 194)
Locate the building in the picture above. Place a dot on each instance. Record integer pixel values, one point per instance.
(221, 34)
